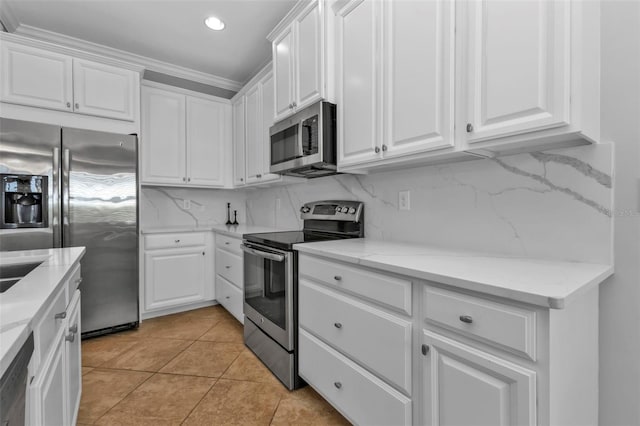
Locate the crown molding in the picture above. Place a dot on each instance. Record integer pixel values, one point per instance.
(7, 17)
(253, 81)
(131, 58)
(289, 17)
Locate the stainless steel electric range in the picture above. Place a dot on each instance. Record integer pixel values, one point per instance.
(271, 282)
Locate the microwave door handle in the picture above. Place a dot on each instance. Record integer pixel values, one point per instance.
(300, 147)
(271, 256)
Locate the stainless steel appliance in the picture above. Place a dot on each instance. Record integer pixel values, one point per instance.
(13, 386)
(304, 145)
(85, 183)
(271, 282)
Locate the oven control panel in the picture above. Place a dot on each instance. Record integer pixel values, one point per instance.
(345, 210)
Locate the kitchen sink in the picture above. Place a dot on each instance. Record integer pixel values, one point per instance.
(17, 270)
(11, 274)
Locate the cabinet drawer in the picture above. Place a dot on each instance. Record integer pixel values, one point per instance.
(230, 267)
(230, 297)
(498, 324)
(361, 397)
(157, 241)
(47, 325)
(387, 290)
(379, 341)
(74, 281)
(229, 243)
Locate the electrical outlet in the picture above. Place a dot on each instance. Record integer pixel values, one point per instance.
(404, 202)
(186, 204)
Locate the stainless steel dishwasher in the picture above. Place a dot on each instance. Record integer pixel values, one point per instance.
(13, 387)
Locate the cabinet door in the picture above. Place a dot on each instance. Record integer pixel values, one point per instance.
(73, 358)
(465, 386)
(174, 277)
(48, 391)
(517, 57)
(163, 137)
(283, 73)
(206, 131)
(253, 133)
(418, 75)
(103, 90)
(36, 77)
(358, 126)
(267, 122)
(309, 65)
(238, 142)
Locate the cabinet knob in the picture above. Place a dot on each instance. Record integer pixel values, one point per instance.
(226, 243)
(68, 104)
(188, 179)
(184, 179)
(78, 281)
(425, 349)
(77, 105)
(295, 104)
(227, 266)
(337, 277)
(466, 319)
(241, 179)
(338, 385)
(384, 147)
(227, 297)
(376, 149)
(469, 127)
(337, 325)
(60, 315)
(74, 328)
(70, 337)
(258, 176)
(290, 106)
(203, 253)
(177, 241)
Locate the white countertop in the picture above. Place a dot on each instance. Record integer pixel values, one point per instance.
(230, 230)
(27, 298)
(546, 283)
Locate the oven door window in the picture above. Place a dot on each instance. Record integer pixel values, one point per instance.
(285, 145)
(266, 288)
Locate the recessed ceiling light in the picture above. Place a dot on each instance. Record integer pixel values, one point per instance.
(214, 23)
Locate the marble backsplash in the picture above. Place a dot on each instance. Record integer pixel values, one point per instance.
(553, 204)
(165, 206)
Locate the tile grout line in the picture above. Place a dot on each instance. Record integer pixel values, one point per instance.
(200, 400)
(275, 411)
(122, 399)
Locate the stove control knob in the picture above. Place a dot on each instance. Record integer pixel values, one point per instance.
(352, 210)
(339, 209)
(305, 209)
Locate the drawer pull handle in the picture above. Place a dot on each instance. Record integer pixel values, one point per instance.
(227, 297)
(61, 315)
(337, 278)
(70, 337)
(337, 325)
(177, 241)
(425, 349)
(78, 281)
(226, 243)
(466, 319)
(338, 385)
(74, 328)
(227, 266)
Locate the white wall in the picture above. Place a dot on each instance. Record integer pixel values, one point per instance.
(620, 296)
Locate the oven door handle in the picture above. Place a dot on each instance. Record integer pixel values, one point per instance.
(271, 256)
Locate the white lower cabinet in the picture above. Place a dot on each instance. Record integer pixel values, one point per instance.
(461, 358)
(55, 384)
(465, 386)
(230, 275)
(177, 270)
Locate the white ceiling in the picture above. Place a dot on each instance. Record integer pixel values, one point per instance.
(171, 31)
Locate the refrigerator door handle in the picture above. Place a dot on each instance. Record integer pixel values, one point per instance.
(55, 198)
(66, 166)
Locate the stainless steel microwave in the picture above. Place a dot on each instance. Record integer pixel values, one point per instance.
(304, 145)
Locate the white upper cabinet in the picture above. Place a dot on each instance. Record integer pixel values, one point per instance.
(184, 138)
(402, 105)
(530, 74)
(163, 140)
(239, 166)
(36, 77)
(207, 136)
(104, 90)
(299, 58)
(41, 78)
(417, 73)
(253, 116)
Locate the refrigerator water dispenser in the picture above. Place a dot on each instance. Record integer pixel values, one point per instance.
(24, 201)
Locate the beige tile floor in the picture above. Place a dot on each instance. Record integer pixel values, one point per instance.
(190, 368)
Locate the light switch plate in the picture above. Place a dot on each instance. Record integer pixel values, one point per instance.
(404, 202)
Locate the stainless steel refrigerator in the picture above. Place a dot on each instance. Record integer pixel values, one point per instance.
(65, 187)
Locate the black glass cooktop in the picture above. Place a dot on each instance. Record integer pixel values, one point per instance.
(286, 239)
